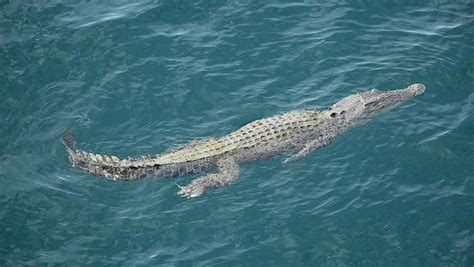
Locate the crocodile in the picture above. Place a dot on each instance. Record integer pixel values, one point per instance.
(219, 158)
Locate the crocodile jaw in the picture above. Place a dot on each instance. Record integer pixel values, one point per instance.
(375, 100)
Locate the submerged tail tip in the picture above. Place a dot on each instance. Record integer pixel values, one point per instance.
(69, 140)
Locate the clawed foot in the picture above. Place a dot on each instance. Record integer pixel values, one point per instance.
(190, 190)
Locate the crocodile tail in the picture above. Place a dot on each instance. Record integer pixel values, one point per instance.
(69, 141)
(106, 166)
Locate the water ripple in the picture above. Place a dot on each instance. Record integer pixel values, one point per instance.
(82, 15)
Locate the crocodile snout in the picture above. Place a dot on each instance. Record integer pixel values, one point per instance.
(417, 89)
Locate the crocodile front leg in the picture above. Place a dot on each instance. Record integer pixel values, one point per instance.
(227, 173)
(308, 148)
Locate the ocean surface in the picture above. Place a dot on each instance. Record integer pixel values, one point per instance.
(138, 77)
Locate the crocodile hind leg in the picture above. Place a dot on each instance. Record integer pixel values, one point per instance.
(227, 173)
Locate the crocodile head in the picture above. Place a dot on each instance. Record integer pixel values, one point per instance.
(362, 105)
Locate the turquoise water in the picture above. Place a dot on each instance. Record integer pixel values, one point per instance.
(135, 78)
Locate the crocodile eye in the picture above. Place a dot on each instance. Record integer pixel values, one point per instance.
(342, 112)
(333, 115)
